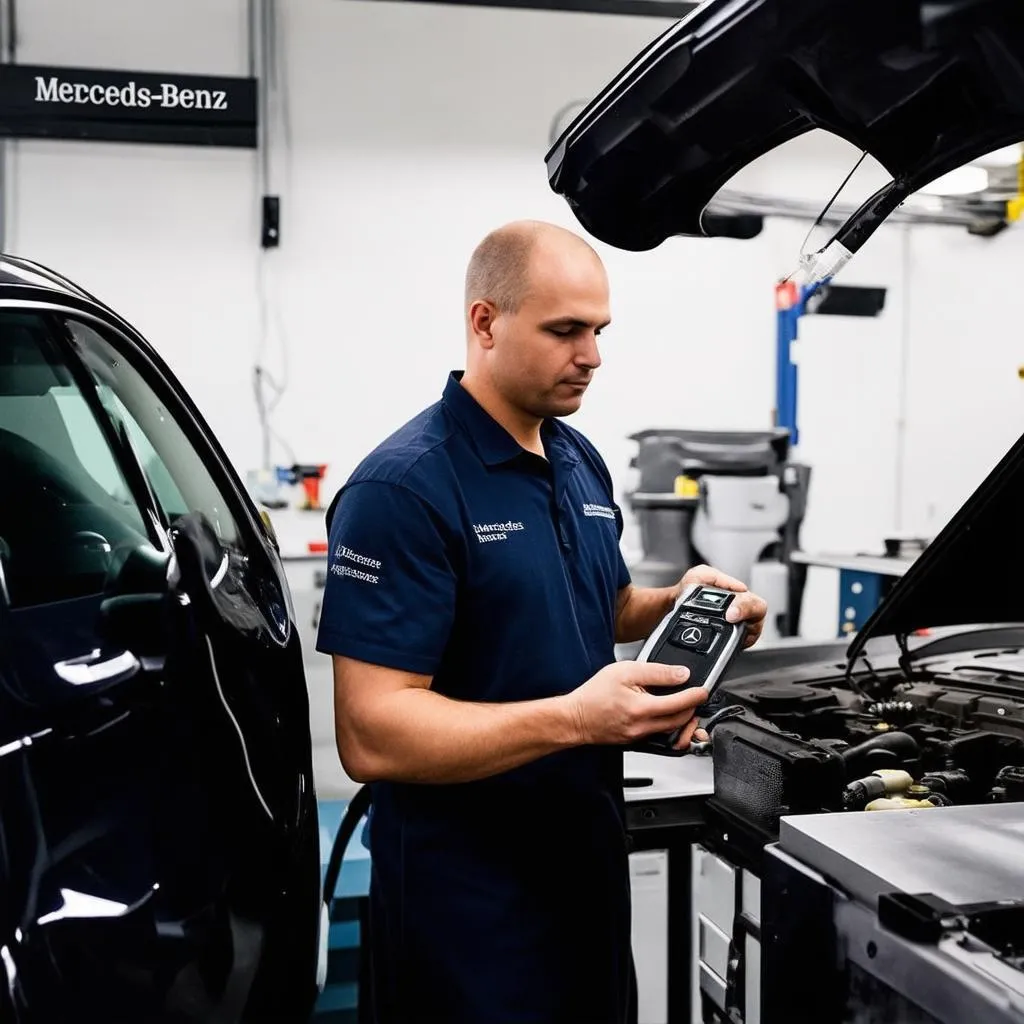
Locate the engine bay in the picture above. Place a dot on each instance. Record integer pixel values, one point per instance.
(946, 730)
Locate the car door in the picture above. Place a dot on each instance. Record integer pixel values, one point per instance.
(158, 842)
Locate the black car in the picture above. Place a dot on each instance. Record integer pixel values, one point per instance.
(159, 852)
(924, 87)
(923, 713)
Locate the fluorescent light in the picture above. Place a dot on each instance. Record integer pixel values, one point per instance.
(921, 201)
(961, 182)
(1005, 157)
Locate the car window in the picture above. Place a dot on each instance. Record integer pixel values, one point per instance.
(67, 516)
(177, 474)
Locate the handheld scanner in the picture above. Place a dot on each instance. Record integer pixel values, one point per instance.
(696, 634)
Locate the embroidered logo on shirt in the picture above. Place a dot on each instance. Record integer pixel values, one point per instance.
(599, 510)
(347, 554)
(487, 532)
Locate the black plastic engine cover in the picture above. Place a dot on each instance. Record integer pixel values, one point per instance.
(762, 774)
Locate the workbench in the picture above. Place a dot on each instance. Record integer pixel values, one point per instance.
(864, 582)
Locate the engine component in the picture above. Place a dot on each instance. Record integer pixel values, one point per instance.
(955, 783)
(762, 773)
(887, 749)
(897, 803)
(951, 732)
(884, 782)
(894, 712)
(1009, 784)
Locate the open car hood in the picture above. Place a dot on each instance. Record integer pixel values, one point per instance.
(923, 86)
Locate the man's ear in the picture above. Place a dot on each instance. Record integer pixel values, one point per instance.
(481, 322)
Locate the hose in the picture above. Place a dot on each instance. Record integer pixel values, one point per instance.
(357, 808)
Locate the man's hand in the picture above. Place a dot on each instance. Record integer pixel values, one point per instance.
(614, 706)
(746, 606)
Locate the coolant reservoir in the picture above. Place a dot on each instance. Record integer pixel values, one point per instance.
(897, 803)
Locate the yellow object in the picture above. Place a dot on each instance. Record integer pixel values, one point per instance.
(686, 487)
(1015, 206)
(896, 780)
(897, 803)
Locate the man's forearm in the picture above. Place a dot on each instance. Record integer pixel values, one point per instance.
(640, 610)
(431, 738)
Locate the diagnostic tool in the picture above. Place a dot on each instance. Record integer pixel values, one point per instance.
(695, 634)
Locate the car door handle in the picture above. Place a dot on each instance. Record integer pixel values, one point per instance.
(90, 669)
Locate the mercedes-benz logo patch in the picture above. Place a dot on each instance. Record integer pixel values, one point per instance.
(692, 635)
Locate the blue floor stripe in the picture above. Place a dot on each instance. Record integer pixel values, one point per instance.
(338, 997)
(344, 935)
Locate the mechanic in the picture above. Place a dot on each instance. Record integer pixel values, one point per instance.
(475, 593)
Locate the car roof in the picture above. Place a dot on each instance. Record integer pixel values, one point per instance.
(17, 272)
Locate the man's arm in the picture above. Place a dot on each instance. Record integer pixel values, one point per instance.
(390, 725)
(639, 609)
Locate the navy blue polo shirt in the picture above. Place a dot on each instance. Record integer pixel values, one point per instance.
(457, 554)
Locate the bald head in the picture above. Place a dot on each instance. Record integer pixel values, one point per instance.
(499, 269)
(536, 301)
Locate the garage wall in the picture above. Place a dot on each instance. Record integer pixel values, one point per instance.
(413, 129)
(965, 401)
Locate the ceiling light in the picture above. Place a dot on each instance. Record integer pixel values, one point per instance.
(961, 182)
(922, 201)
(1005, 157)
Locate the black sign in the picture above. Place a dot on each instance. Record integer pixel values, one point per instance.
(126, 106)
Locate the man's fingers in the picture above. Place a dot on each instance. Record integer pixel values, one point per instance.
(749, 607)
(713, 578)
(686, 735)
(665, 707)
(650, 673)
(701, 736)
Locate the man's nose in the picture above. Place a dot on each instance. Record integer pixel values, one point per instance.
(587, 353)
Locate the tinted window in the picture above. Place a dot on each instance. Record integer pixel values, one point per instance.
(67, 515)
(179, 478)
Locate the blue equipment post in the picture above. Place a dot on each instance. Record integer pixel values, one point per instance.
(790, 305)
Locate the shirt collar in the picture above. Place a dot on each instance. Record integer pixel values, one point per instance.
(492, 441)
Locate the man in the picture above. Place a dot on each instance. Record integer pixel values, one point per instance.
(475, 594)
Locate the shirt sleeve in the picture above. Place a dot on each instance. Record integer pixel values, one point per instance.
(391, 585)
(625, 578)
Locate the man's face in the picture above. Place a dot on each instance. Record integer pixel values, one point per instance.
(545, 353)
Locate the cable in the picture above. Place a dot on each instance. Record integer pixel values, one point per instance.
(832, 201)
(354, 813)
(824, 213)
(854, 683)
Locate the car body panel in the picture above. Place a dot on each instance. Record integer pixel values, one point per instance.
(160, 855)
(922, 86)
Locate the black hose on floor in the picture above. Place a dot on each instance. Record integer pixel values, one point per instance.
(357, 808)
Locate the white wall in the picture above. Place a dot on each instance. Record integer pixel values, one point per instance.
(414, 129)
(965, 401)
